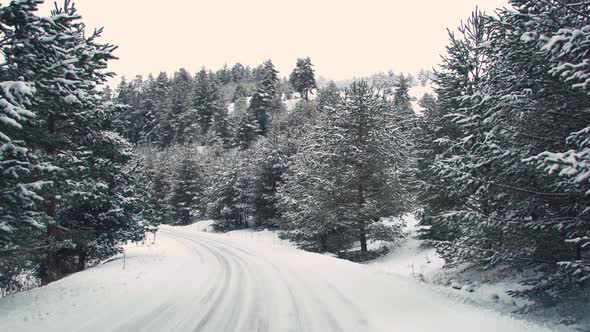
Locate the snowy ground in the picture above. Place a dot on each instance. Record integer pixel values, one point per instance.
(192, 280)
(410, 259)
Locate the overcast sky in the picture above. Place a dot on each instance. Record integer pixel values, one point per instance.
(344, 38)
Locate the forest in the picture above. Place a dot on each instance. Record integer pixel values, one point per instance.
(494, 160)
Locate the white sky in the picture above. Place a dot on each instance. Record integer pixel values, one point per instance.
(344, 38)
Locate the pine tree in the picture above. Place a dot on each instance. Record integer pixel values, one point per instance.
(436, 131)
(402, 102)
(239, 99)
(22, 220)
(302, 79)
(270, 163)
(211, 107)
(161, 126)
(228, 196)
(346, 175)
(328, 96)
(506, 107)
(182, 116)
(220, 131)
(224, 75)
(247, 130)
(91, 207)
(158, 208)
(264, 101)
(187, 189)
(238, 73)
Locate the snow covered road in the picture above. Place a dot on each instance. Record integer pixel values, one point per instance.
(195, 281)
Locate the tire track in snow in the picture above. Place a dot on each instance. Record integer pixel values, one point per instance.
(230, 262)
(216, 294)
(294, 277)
(162, 312)
(298, 313)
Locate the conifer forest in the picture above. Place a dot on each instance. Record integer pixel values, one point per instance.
(241, 198)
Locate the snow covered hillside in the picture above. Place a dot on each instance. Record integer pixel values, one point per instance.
(193, 280)
(488, 289)
(417, 92)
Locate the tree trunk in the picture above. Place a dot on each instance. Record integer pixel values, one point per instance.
(81, 260)
(361, 222)
(49, 266)
(363, 237)
(324, 242)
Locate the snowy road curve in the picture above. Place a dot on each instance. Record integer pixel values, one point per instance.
(191, 281)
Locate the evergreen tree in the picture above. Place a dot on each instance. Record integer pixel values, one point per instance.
(161, 132)
(328, 96)
(270, 162)
(210, 108)
(436, 131)
(507, 108)
(187, 189)
(21, 217)
(302, 79)
(224, 75)
(238, 73)
(182, 117)
(402, 102)
(247, 130)
(91, 207)
(347, 174)
(158, 208)
(228, 196)
(264, 101)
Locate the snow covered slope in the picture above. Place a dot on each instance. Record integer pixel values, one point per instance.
(198, 281)
(411, 260)
(417, 92)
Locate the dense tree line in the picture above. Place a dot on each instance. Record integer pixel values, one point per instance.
(504, 148)
(263, 184)
(247, 178)
(188, 108)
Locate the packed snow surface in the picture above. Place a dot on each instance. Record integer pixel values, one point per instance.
(194, 280)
